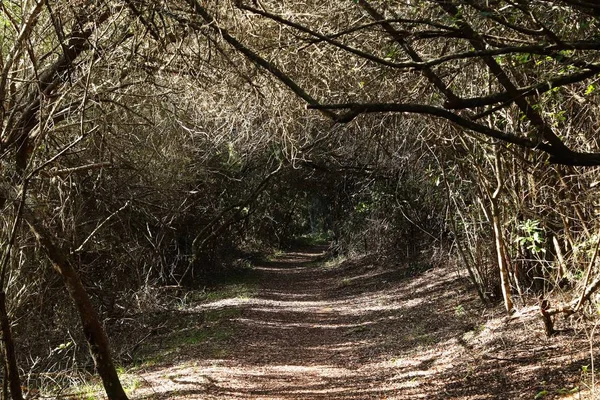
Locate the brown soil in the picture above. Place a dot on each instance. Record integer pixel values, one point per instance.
(366, 329)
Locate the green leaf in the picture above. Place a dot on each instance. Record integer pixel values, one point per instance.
(541, 394)
(590, 89)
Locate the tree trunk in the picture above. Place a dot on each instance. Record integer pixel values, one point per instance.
(546, 317)
(502, 265)
(11, 369)
(92, 328)
(561, 269)
(5, 383)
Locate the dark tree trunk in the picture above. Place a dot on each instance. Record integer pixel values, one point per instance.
(92, 328)
(5, 383)
(11, 369)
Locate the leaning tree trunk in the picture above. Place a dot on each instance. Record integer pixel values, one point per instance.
(92, 328)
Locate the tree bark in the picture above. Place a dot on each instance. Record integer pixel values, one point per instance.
(546, 318)
(92, 328)
(11, 369)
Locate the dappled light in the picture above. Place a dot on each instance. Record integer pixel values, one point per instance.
(403, 339)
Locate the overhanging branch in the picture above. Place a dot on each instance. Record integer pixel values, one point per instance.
(558, 155)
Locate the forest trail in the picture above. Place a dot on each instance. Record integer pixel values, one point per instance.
(360, 329)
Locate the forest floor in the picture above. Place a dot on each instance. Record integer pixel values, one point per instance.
(302, 327)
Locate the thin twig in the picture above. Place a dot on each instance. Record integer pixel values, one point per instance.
(100, 226)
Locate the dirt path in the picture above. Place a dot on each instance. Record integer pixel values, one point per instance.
(365, 330)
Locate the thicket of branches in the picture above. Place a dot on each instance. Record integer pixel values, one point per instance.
(148, 144)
